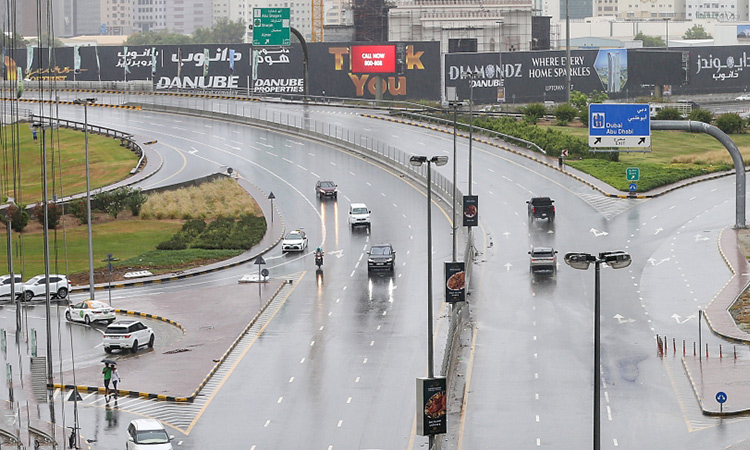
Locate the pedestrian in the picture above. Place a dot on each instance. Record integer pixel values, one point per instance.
(33, 133)
(107, 371)
(115, 379)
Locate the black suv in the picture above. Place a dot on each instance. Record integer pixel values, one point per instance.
(381, 256)
(326, 189)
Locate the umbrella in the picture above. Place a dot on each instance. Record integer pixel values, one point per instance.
(109, 361)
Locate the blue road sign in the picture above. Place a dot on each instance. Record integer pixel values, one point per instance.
(633, 187)
(721, 397)
(619, 125)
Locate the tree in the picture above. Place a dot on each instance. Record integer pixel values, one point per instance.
(649, 41)
(582, 102)
(161, 37)
(533, 112)
(730, 123)
(668, 114)
(701, 115)
(565, 113)
(696, 32)
(224, 31)
(13, 40)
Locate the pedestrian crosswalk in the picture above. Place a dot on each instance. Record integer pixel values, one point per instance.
(183, 416)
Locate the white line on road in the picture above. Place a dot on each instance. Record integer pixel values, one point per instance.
(279, 400)
(291, 379)
(364, 361)
(288, 160)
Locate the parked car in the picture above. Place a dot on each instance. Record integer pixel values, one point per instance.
(5, 285)
(381, 256)
(89, 311)
(543, 260)
(359, 215)
(148, 434)
(59, 286)
(541, 208)
(743, 97)
(296, 241)
(326, 189)
(127, 335)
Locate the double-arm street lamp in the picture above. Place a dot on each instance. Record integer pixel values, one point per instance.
(86, 102)
(581, 261)
(438, 161)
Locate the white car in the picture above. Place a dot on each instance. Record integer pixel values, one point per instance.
(148, 434)
(90, 311)
(127, 335)
(296, 241)
(743, 97)
(359, 214)
(59, 286)
(5, 285)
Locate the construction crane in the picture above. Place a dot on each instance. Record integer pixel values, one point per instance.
(317, 20)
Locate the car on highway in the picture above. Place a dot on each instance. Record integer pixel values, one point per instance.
(59, 286)
(359, 215)
(148, 434)
(743, 98)
(89, 311)
(543, 260)
(541, 208)
(6, 284)
(325, 189)
(295, 241)
(127, 335)
(381, 256)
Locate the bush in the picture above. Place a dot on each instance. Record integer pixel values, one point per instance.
(194, 227)
(178, 242)
(19, 218)
(54, 212)
(668, 114)
(216, 235)
(533, 112)
(565, 113)
(730, 123)
(135, 201)
(701, 115)
(77, 208)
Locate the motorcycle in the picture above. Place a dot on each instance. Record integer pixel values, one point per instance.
(319, 259)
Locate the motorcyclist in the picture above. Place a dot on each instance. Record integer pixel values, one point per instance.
(319, 255)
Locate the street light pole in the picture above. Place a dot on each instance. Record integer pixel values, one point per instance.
(86, 102)
(581, 261)
(567, 51)
(454, 228)
(666, 42)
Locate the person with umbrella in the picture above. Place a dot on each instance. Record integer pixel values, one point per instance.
(115, 379)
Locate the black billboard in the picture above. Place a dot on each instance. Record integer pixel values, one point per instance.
(471, 210)
(432, 406)
(455, 282)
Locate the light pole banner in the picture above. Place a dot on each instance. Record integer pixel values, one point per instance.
(431, 406)
(471, 210)
(455, 282)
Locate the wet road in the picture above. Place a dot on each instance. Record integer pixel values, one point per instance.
(337, 365)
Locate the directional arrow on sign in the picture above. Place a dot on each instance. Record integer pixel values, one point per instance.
(621, 319)
(598, 233)
(598, 140)
(642, 141)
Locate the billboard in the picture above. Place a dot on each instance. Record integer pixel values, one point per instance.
(373, 59)
(455, 282)
(431, 406)
(471, 210)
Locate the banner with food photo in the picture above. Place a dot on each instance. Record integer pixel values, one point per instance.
(471, 210)
(455, 282)
(431, 406)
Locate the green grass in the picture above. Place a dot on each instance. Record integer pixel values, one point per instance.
(674, 156)
(138, 237)
(167, 258)
(108, 162)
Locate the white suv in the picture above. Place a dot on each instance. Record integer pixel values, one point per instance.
(59, 286)
(359, 215)
(148, 434)
(5, 285)
(127, 335)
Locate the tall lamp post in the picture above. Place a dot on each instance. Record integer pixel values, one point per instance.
(581, 261)
(86, 102)
(666, 41)
(438, 161)
(14, 296)
(455, 103)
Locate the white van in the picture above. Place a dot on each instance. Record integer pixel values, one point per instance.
(359, 215)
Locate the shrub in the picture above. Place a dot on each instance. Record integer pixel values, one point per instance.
(730, 123)
(194, 227)
(533, 112)
(701, 115)
(177, 242)
(135, 201)
(77, 208)
(19, 218)
(668, 114)
(54, 212)
(216, 235)
(565, 113)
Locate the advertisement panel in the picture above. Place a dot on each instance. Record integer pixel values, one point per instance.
(455, 282)
(278, 70)
(415, 78)
(431, 406)
(373, 59)
(487, 81)
(471, 210)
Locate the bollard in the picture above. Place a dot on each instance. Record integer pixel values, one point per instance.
(674, 346)
(721, 353)
(694, 352)
(706, 350)
(658, 346)
(683, 347)
(734, 347)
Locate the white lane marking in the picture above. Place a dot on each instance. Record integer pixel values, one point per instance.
(268, 422)
(301, 167)
(352, 274)
(372, 343)
(312, 343)
(279, 400)
(340, 423)
(291, 379)
(302, 361)
(609, 413)
(274, 154)
(348, 400)
(287, 160)
(311, 154)
(364, 361)
(356, 380)
(314, 174)
(332, 163)
(352, 173)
